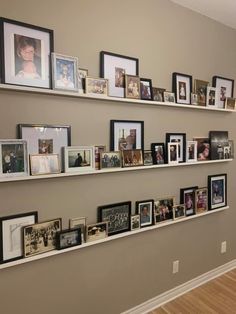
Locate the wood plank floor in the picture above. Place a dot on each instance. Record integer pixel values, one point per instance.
(218, 296)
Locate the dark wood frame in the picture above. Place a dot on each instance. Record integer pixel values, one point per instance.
(210, 190)
(168, 137)
(59, 234)
(214, 82)
(161, 90)
(153, 145)
(127, 76)
(182, 201)
(137, 204)
(174, 86)
(150, 86)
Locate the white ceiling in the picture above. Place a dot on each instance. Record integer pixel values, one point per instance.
(223, 11)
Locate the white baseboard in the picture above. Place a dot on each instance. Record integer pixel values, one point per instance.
(179, 290)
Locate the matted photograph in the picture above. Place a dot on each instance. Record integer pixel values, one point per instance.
(230, 103)
(114, 67)
(132, 157)
(111, 160)
(132, 87)
(172, 150)
(201, 200)
(179, 138)
(82, 74)
(191, 151)
(125, 134)
(200, 88)
(14, 158)
(147, 158)
(194, 99)
(211, 97)
(79, 222)
(25, 54)
(96, 231)
(68, 238)
(41, 237)
(218, 140)
(98, 150)
(79, 158)
(145, 209)
(217, 191)
(11, 239)
(187, 197)
(158, 94)
(203, 148)
(44, 164)
(146, 89)
(178, 211)
(134, 222)
(225, 87)
(169, 97)
(117, 215)
(96, 86)
(158, 153)
(163, 208)
(182, 87)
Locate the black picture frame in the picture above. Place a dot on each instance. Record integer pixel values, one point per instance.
(177, 138)
(158, 153)
(190, 202)
(147, 219)
(15, 235)
(182, 89)
(117, 215)
(68, 238)
(217, 191)
(218, 140)
(24, 41)
(144, 92)
(225, 88)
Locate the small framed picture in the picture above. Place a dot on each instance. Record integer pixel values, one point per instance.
(98, 150)
(178, 211)
(187, 197)
(135, 222)
(79, 158)
(158, 94)
(147, 158)
(169, 97)
(132, 158)
(191, 151)
(44, 164)
(132, 86)
(164, 209)
(111, 160)
(203, 148)
(145, 209)
(68, 238)
(96, 231)
(82, 74)
(230, 103)
(200, 88)
(146, 89)
(217, 191)
(231, 148)
(173, 157)
(218, 140)
(65, 72)
(181, 139)
(194, 99)
(225, 86)
(14, 158)
(96, 86)
(79, 222)
(201, 200)
(211, 97)
(158, 153)
(227, 152)
(182, 87)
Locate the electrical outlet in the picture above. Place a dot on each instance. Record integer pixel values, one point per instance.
(175, 267)
(223, 247)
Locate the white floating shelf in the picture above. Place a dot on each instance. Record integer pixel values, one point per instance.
(114, 99)
(83, 173)
(108, 239)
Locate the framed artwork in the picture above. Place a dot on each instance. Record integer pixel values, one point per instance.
(41, 237)
(164, 209)
(231, 148)
(44, 164)
(111, 160)
(191, 151)
(132, 87)
(117, 216)
(126, 134)
(172, 149)
(200, 88)
(146, 89)
(225, 87)
(211, 97)
(182, 87)
(179, 138)
(169, 97)
(147, 158)
(82, 73)
(79, 222)
(187, 197)
(96, 86)
(145, 210)
(218, 140)
(226, 152)
(230, 103)
(217, 191)
(114, 67)
(65, 72)
(79, 158)
(14, 158)
(98, 150)
(68, 238)
(25, 54)
(203, 148)
(158, 153)
(135, 222)
(11, 239)
(178, 211)
(201, 200)
(132, 157)
(96, 231)
(194, 99)
(158, 94)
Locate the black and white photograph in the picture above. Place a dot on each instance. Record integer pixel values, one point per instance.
(191, 151)
(68, 238)
(158, 153)
(182, 87)
(178, 211)
(172, 149)
(145, 209)
(217, 191)
(132, 157)
(79, 158)
(218, 140)
(134, 222)
(163, 208)
(211, 97)
(110, 160)
(44, 164)
(203, 148)
(79, 222)
(146, 89)
(158, 94)
(132, 87)
(169, 97)
(187, 197)
(225, 87)
(194, 99)
(96, 231)
(147, 158)
(82, 74)
(179, 138)
(200, 88)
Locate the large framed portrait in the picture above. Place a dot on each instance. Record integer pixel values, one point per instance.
(126, 134)
(11, 239)
(44, 164)
(200, 88)
(179, 138)
(79, 158)
(25, 54)
(182, 87)
(225, 87)
(114, 67)
(146, 210)
(13, 158)
(218, 140)
(217, 191)
(163, 209)
(117, 216)
(187, 197)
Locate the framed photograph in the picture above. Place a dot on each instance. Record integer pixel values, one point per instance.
(79, 222)
(98, 150)
(164, 209)
(217, 191)
(187, 197)
(191, 151)
(179, 138)
(65, 72)
(68, 238)
(114, 67)
(25, 54)
(111, 160)
(147, 158)
(226, 152)
(182, 87)
(169, 97)
(200, 88)
(125, 134)
(225, 86)
(44, 164)
(172, 150)
(132, 87)
(194, 99)
(218, 140)
(178, 211)
(96, 231)
(158, 153)
(132, 157)
(135, 222)
(211, 97)
(158, 94)
(117, 215)
(231, 149)
(230, 103)
(82, 74)
(96, 86)
(41, 237)
(79, 158)
(145, 209)
(11, 238)
(201, 200)
(146, 89)
(203, 148)
(14, 158)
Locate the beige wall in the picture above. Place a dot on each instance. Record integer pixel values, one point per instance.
(118, 275)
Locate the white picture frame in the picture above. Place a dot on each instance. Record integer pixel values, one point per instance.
(79, 159)
(191, 151)
(173, 157)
